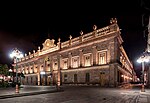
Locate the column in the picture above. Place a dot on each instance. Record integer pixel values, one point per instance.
(34, 67)
(38, 74)
(34, 79)
(52, 71)
(61, 66)
(45, 69)
(29, 68)
(58, 72)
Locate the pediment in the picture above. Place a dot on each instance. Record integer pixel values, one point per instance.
(48, 44)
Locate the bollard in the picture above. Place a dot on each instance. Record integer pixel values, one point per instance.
(17, 88)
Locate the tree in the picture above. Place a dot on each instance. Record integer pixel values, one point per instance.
(4, 70)
(21, 75)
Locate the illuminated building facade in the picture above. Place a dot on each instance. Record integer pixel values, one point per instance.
(97, 57)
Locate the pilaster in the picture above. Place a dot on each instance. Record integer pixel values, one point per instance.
(58, 73)
(81, 58)
(70, 61)
(95, 55)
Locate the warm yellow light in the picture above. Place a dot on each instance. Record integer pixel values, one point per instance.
(47, 44)
(8, 76)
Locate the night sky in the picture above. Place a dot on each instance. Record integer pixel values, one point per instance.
(27, 25)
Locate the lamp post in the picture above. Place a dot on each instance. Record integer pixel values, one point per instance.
(142, 60)
(16, 54)
(10, 75)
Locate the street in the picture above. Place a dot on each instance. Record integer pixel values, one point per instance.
(86, 94)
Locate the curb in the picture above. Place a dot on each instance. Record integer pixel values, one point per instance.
(28, 94)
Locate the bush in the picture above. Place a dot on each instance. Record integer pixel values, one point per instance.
(14, 84)
(4, 84)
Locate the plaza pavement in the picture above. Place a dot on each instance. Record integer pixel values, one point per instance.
(26, 90)
(76, 94)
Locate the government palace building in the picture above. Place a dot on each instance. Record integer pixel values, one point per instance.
(94, 58)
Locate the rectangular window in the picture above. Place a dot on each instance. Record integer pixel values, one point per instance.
(27, 79)
(87, 60)
(75, 62)
(31, 70)
(31, 80)
(75, 78)
(26, 70)
(55, 65)
(65, 64)
(102, 58)
(65, 78)
(87, 78)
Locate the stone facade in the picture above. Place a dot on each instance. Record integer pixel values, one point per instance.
(97, 57)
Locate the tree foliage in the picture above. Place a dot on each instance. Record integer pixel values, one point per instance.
(4, 70)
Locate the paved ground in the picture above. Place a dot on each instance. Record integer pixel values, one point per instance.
(26, 89)
(86, 94)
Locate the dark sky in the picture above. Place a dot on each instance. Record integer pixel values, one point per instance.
(27, 25)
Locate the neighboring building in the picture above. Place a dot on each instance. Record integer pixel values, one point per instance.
(145, 58)
(97, 57)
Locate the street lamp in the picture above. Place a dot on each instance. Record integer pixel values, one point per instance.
(16, 55)
(10, 70)
(11, 75)
(143, 59)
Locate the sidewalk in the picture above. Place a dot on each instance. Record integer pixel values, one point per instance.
(26, 90)
(144, 97)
